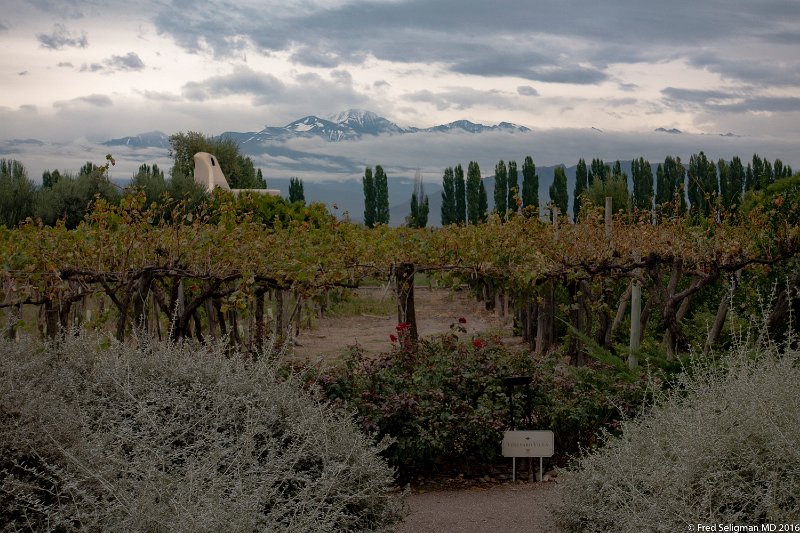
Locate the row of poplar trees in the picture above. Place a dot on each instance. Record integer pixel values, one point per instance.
(465, 201)
(376, 197)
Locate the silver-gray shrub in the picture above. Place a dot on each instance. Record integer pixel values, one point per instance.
(722, 446)
(176, 438)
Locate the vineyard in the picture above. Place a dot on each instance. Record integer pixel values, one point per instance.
(210, 272)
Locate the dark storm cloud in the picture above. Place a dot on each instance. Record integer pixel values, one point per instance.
(527, 90)
(552, 41)
(61, 38)
(774, 71)
(732, 102)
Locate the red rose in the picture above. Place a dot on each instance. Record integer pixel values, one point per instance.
(478, 343)
(462, 320)
(392, 338)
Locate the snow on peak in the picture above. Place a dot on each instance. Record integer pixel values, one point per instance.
(358, 116)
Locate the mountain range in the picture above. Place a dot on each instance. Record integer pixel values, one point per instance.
(348, 125)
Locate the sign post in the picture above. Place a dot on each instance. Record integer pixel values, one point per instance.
(528, 444)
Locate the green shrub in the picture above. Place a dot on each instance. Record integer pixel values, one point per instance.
(722, 446)
(176, 438)
(445, 405)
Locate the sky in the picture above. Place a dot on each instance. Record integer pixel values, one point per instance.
(76, 72)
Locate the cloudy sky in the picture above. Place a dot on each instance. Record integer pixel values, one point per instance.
(99, 69)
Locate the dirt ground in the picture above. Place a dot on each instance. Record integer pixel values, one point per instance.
(523, 507)
(436, 311)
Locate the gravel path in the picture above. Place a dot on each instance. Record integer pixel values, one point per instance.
(502, 508)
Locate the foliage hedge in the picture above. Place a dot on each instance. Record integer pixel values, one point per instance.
(176, 438)
(721, 447)
(445, 405)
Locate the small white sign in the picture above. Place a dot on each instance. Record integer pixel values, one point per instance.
(528, 444)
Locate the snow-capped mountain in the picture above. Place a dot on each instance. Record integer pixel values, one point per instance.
(152, 139)
(472, 127)
(354, 124)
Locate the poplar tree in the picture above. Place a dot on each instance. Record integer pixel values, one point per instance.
(617, 171)
(598, 171)
(381, 196)
(296, 193)
(369, 198)
(642, 177)
(475, 204)
(461, 195)
(419, 205)
(501, 188)
(483, 203)
(448, 197)
(558, 190)
(671, 185)
(756, 178)
(17, 193)
(736, 176)
(530, 184)
(702, 184)
(513, 185)
(581, 182)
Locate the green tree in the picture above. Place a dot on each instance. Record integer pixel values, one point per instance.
(50, 178)
(559, 196)
(17, 193)
(599, 170)
(671, 178)
(617, 170)
(501, 188)
(530, 185)
(755, 176)
(731, 180)
(72, 197)
(150, 179)
(768, 178)
(736, 176)
(262, 183)
(642, 177)
(616, 187)
(702, 189)
(513, 186)
(296, 193)
(184, 188)
(483, 203)
(581, 182)
(381, 196)
(449, 215)
(477, 203)
(461, 195)
(419, 205)
(239, 170)
(368, 182)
